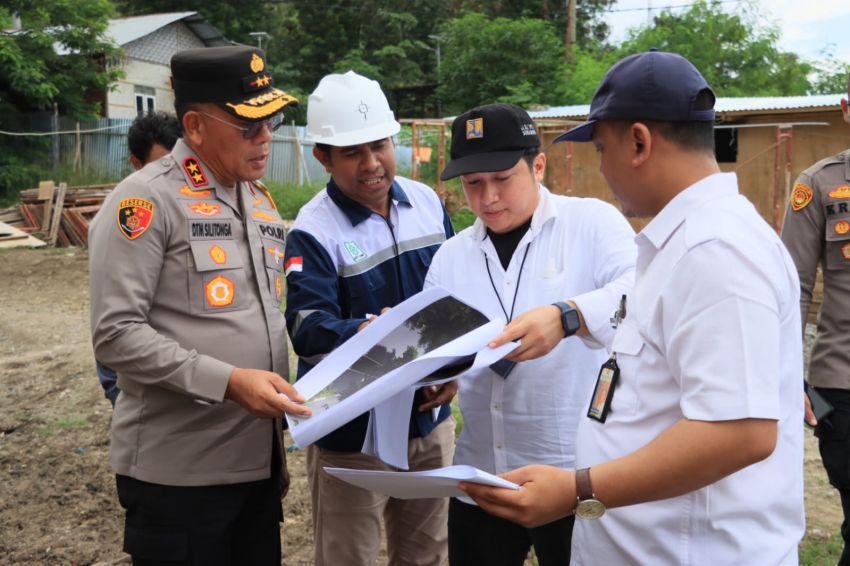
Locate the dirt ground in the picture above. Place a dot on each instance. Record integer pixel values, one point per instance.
(57, 493)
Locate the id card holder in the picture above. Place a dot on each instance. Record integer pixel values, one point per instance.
(603, 393)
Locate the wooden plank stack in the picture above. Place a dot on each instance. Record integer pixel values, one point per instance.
(58, 215)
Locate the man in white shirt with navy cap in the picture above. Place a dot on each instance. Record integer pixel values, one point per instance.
(693, 439)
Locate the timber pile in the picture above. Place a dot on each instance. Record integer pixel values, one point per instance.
(58, 215)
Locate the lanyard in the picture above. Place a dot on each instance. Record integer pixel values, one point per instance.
(516, 289)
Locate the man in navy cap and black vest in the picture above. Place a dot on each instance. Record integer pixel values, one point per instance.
(186, 287)
(693, 437)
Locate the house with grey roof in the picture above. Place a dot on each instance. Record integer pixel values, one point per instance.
(148, 43)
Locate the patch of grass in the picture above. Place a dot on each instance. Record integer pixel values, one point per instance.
(61, 425)
(290, 197)
(458, 416)
(816, 551)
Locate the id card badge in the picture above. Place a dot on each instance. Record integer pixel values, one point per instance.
(603, 393)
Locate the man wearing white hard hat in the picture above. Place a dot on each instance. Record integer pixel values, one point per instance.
(362, 244)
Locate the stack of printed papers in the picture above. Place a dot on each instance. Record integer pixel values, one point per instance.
(442, 482)
(379, 369)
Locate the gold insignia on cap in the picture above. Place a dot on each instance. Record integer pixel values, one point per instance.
(841, 192)
(475, 128)
(257, 64)
(263, 105)
(801, 196)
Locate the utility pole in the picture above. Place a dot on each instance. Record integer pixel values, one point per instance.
(260, 35)
(570, 33)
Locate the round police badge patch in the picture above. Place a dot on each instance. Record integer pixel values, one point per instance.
(134, 217)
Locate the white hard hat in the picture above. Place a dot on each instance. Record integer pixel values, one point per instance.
(349, 110)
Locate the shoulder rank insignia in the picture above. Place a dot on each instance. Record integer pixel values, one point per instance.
(205, 208)
(841, 227)
(196, 174)
(203, 193)
(134, 217)
(841, 192)
(801, 196)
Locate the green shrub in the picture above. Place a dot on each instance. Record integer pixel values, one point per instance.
(290, 197)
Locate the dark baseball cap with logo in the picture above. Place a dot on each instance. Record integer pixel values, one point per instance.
(654, 85)
(490, 138)
(236, 78)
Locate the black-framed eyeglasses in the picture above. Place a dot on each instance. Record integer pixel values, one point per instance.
(253, 128)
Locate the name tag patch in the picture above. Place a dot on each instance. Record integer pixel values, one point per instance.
(206, 230)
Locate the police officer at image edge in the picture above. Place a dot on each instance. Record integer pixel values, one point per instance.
(186, 287)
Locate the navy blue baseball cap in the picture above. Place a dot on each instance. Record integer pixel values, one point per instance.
(654, 85)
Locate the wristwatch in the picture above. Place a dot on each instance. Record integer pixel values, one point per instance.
(569, 318)
(588, 507)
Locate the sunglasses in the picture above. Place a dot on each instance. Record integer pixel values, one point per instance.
(253, 128)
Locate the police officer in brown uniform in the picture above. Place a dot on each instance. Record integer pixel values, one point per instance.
(186, 287)
(817, 231)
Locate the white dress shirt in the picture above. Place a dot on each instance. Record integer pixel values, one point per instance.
(712, 333)
(578, 248)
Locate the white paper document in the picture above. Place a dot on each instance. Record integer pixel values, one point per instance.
(442, 482)
(393, 356)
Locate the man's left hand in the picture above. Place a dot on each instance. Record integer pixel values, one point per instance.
(547, 494)
(436, 395)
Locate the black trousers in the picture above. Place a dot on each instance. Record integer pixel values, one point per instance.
(833, 434)
(218, 525)
(477, 538)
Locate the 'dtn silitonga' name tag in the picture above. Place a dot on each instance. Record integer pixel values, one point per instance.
(603, 393)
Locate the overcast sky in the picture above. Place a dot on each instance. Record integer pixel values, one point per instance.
(807, 26)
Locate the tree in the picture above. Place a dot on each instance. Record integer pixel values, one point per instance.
(488, 60)
(736, 54)
(831, 75)
(58, 59)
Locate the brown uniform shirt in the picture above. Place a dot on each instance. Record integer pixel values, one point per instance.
(817, 231)
(186, 285)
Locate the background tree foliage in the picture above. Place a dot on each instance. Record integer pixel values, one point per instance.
(57, 60)
(737, 54)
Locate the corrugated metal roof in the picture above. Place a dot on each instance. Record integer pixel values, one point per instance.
(761, 104)
(125, 30)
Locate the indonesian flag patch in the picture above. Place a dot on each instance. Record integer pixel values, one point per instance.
(294, 264)
(134, 217)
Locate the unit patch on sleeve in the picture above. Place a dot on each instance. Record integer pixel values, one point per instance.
(801, 196)
(294, 264)
(841, 192)
(196, 174)
(134, 217)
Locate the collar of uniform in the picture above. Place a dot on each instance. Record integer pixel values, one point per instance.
(677, 210)
(355, 211)
(545, 211)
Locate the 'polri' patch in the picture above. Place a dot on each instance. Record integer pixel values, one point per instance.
(134, 217)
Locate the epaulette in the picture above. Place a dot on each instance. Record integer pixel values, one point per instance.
(265, 190)
(837, 159)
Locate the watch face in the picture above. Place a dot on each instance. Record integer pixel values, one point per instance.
(590, 509)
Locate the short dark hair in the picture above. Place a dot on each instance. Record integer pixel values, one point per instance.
(149, 129)
(324, 148)
(693, 136)
(529, 155)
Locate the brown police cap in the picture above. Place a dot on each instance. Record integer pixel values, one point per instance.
(235, 77)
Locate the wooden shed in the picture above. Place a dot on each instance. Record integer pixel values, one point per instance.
(767, 141)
